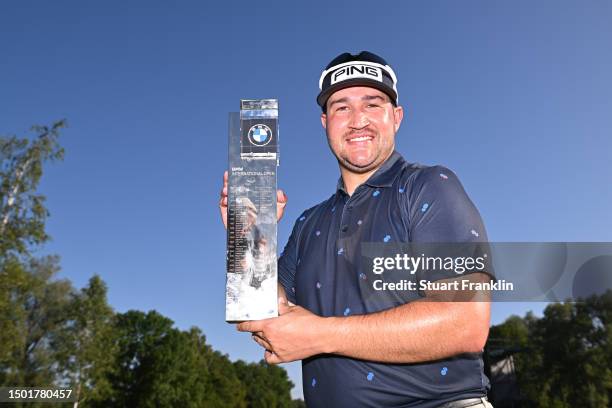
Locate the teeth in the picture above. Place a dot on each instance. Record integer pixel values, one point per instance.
(360, 139)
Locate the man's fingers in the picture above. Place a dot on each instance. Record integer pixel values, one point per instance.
(281, 202)
(251, 326)
(244, 327)
(223, 199)
(259, 340)
(224, 188)
(271, 358)
(223, 209)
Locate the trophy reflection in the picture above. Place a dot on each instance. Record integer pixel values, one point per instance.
(256, 263)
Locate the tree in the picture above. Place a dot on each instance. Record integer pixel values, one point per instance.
(22, 210)
(160, 366)
(22, 221)
(32, 304)
(85, 345)
(222, 386)
(573, 341)
(33, 310)
(266, 385)
(567, 353)
(12, 277)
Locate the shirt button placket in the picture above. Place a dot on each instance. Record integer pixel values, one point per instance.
(345, 220)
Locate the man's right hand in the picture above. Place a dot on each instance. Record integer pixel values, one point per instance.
(281, 202)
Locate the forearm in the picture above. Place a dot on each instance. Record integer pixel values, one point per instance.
(423, 330)
(414, 332)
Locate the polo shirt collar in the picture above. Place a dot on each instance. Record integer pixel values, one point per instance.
(384, 176)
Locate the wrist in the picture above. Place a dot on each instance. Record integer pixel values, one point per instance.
(330, 334)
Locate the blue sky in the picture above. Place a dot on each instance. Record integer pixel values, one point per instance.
(515, 97)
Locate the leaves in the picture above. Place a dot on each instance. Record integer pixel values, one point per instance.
(22, 210)
(85, 345)
(267, 385)
(32, 310)
(562, 359)
(54, 335)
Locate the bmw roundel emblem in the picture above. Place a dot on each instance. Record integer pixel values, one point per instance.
(260, 135)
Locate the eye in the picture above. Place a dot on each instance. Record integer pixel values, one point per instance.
(373, 105)
(342, 108)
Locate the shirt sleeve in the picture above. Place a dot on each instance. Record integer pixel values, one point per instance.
(287, 264)
(440, 211)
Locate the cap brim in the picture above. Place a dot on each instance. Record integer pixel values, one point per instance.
(324, 95)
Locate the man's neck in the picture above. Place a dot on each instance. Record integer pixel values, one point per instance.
(353, 180)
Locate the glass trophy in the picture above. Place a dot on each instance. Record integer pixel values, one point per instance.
(251, 280)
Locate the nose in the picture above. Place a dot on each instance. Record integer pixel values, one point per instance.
(359, 119)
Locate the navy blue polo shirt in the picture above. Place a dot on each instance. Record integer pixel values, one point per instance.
(320, 271)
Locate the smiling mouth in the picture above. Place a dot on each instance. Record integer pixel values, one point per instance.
(359, 138)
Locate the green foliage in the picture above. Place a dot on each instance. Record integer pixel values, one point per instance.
(85, 345)
(53, 335)
(12, 278)
(567, 353)
(22, 211)
(266, 385)
(298, 403)
(514, 329)
(160, 366)
(34, 307)
(223, 386)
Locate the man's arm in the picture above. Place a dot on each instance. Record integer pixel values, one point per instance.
(428, 329)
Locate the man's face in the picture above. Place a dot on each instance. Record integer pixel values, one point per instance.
(361, 123)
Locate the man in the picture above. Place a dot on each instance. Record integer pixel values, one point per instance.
(358, 349)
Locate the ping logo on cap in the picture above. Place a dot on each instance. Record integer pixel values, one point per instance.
(365, 69)
(260, 135)
(356, 71)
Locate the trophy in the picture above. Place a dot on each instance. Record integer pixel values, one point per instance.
(251, 280)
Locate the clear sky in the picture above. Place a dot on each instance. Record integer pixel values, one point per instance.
(515, 97)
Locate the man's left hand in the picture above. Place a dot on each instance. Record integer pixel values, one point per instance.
(295, 335)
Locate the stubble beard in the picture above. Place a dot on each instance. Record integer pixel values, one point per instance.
(378, 158)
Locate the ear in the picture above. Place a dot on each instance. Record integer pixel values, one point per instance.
(398, 115)
(324, 120)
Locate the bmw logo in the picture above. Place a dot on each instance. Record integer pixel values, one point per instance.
(260, 135)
